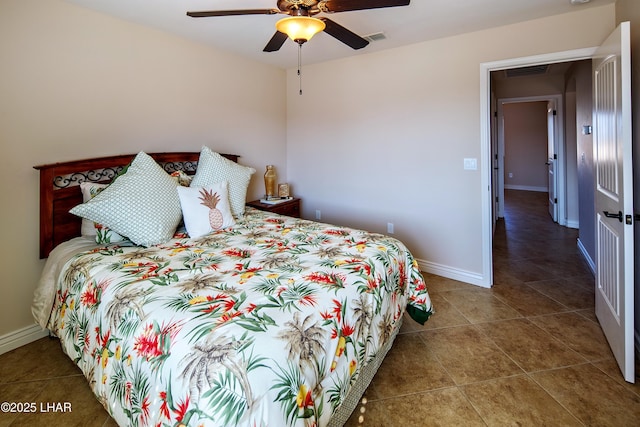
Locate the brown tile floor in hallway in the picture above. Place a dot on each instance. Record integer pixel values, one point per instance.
(526, 352)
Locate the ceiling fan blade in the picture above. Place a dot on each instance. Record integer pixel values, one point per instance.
(276, 42)
(208, 13)
(348, 5)
(347, 37)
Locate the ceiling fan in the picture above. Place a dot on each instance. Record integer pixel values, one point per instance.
(301, 25)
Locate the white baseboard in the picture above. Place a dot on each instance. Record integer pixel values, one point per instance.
(453, 273)
(526, 188)
(23, 336)
(587, 258)
(573, 224)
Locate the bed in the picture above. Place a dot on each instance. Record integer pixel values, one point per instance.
(271, 320)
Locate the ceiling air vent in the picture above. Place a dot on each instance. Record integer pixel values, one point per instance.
(375, 37)
(534, 70)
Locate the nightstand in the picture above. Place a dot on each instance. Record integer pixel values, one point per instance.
(289, 208)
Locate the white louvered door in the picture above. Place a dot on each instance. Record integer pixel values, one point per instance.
(614, 195)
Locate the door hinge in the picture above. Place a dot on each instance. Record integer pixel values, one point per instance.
(555, 113)
(555, 156)
(555, 200)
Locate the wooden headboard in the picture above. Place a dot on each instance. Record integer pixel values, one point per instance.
(60, 189)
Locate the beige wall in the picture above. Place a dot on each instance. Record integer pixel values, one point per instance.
(525, 86)
(78, 84)
(381, 137)
(525, 146)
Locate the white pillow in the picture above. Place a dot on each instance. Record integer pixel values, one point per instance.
(141, 204)
(89, 190)
(205, 209)
(89, 228)
(213, 168)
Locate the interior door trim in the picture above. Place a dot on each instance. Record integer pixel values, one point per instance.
(485, 139)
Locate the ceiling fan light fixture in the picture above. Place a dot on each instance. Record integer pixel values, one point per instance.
(300, 29)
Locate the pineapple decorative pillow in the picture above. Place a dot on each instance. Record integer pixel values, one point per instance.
(213, 168)
(205, 209)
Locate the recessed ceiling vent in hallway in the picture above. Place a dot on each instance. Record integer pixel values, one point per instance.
(533, 70)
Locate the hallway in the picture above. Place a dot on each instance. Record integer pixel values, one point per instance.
(530, 249)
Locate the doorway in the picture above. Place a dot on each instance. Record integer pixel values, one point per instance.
(611, 74)
(488, 143)
(531, 152)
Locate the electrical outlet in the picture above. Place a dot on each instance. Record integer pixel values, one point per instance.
(318, 214)
(510, 175)
(390, 227)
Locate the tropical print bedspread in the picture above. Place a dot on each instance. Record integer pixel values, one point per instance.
(266, 323)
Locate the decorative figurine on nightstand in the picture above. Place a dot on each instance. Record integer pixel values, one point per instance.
(270, 178)
(283, 190)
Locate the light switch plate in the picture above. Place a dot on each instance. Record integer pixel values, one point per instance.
(470, 164)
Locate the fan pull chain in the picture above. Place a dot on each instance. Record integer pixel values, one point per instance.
(300, 66)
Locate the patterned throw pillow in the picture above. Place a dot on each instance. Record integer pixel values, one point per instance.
(205, 209)
(213, 168)
(103, 234)
(142, 204)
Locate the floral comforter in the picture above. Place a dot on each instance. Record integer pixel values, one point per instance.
(266, 323)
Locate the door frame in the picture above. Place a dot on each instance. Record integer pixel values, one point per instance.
(559, 146)
(555, 164)
(486, 138)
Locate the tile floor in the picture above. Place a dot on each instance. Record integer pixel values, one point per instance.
(527, 352)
